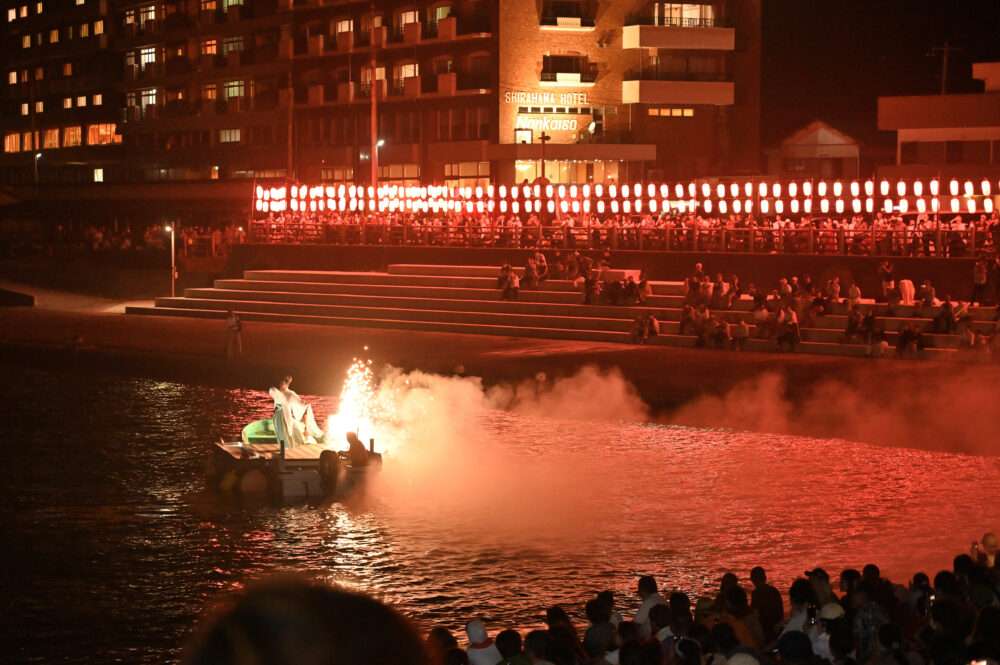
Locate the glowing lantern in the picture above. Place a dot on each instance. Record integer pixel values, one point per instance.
(563, 206)
(664, 191)
(626, 191)
(748, 205)
(955, 205)
(935, 204)
(598, 190)
(260, 192)
(953, 187)
(869, 206)
(614, 206)
(779, 206)
(807, 189)
(600, 207)
(650, 190)
(586, 206)
(793, 189)
(984, 187)
(515, 207)
(921, 205)
(722, 207)
(904, 205)
(748, 189)
(576, 206)
(807, 206)
(586, 191)
(502, 191)
(526, 192)
(626, 206)
(613, 190)
(856, 205)
(901, 188)
(776, 190)
(969, 189)
(561, 190)
(295, 204)
(259, 205)
(821, 188)
(824, 206)
(679, 190)
(737, 205)
(855, 189)
(970, 205)
(720, 191)
(794, 206)
(887, 205)
(638, 205)
(691, 190)
(574, 193)
(840, 206)
(652, 205)
(706, 190)
(763, 206)
(918, 188)
(988, 206)
(707, 206)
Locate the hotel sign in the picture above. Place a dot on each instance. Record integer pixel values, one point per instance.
(545, 98)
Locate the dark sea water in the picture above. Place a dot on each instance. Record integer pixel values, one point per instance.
(112, 547)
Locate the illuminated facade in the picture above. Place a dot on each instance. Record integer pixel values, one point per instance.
(468, 91)
(60, 95)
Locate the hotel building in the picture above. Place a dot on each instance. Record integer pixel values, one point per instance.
(194, 91)
(946, 135)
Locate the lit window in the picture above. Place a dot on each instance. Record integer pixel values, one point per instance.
(147, 56)
(24, 76)
(67, 69)
(50, 138)
(39, 73)
(26, 41)
(99, 27)
(26, 141)
(25, 108)
(103, 134)
(11, 15)
(84, 29)
(53, 36)
(233, 89)
(676, 113)
(209, 91)
(688, 113)
(208, 5)
(411, 16)
(406, 71)
(232, 3)
(39, 7)
(98, 99)
(12, 142)
(130, 17)
(80, 2)
(11, 77)
(229, 136)
(147, 97)
(39, 106)
(69, 32)
(98, 175)
(81, 101)
(209, 47)
(67, 102)
(71, 136)
(345, 25)
(23, 12)
(232, 45)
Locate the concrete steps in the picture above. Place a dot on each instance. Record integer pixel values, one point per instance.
(464, 299)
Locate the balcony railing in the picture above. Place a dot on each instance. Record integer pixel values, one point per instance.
(585, 21)
(474, 80)
(653, 74)
(553, 10)
(646, 18)
(587, 75)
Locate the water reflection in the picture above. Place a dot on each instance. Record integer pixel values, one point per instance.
(115, 548)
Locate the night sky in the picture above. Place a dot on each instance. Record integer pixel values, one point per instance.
(831, 59)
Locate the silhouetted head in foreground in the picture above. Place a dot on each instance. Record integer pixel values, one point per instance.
(298, 621)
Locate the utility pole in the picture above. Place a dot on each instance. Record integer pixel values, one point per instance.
(543, 139)
(945, 53)
(373, 150)
(290, 173)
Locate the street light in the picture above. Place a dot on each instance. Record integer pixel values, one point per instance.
(38, 156)
(173, 262)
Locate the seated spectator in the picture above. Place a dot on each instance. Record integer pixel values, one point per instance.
(855, 320)
(702, 324)
(927, 296)
(853, 295)
(719, 333)
(509, 645)
(513, 286)
(529, 278)
(740, 333)
(687, 318)
(762, 321)
(541, 267)
(944, 322)
(631, 291)
(504, 276)
(909, 342)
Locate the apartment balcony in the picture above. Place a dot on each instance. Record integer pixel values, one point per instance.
(581, 79)
(687, 34)
(316, 45)
(474, 81)
(177, 66)
(567, 15)
(678, 88)
(447, 83)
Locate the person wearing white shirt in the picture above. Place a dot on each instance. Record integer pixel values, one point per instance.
(649, 593)
(481, 650)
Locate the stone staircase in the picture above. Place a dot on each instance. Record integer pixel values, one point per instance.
(464, 299)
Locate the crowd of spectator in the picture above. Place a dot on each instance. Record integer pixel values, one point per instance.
(123, 239)
(778, 313)
(857, 618)
(876, 234)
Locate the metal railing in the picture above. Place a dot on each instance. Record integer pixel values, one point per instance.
(677, 21)
(941, 243)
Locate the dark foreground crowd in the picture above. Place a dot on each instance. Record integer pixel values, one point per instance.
(860, 618)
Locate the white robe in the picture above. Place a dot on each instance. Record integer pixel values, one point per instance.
(298, 418)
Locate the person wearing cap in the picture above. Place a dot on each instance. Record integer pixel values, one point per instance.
(649, 593)
(481, 649)
(766, 601)
(829, 614)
